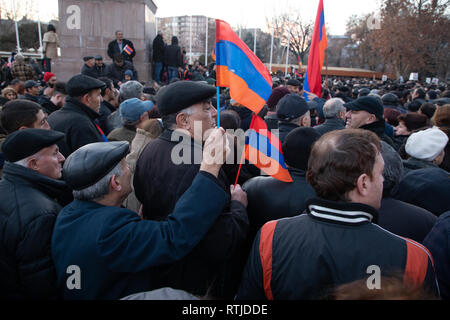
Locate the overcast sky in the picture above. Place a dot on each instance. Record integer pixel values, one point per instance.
(247, 13)
(253, 13)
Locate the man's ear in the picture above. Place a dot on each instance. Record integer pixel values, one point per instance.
(32, 164)
(182, 121)
(362, 185)
(115, 185)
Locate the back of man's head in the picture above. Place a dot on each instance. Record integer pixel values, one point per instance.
(297, 147)
(131, 89)
(338, 159)
(60, 88)
(332, 108)
(18, 113)
(393, 168)
(108, 82)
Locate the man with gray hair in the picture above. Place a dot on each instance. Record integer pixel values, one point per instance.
(334, 113)
(109, 251)
(399, 217)
(165, 170)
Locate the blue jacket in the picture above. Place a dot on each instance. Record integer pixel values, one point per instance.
(438, 242)
(115, 250)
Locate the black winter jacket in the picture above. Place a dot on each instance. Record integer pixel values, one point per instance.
(379, 128)
(333, 243)
(28, 210)
(405, 220)
(215, 263)
(271, 199)
(77, 122)
(329, 125)
(113, 49)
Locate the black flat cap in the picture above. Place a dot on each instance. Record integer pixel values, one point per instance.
(370, 104)
(294, 82)
(89, 164)
(81, 84)
(24, 143)
(98, 57)
(88, 58)
(181, 95)
(291, 106)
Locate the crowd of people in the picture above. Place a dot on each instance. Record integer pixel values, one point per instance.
(94, 206)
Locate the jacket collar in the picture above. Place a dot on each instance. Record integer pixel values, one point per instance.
(377, 127)
(75, 105)
(346, 213)
(55, 189)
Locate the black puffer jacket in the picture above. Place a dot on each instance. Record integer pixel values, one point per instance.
(28, 212)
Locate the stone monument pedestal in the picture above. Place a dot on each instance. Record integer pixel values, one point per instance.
(86, 27)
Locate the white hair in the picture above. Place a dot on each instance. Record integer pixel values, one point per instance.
(24, 162)
(100, 188)
(332, 108)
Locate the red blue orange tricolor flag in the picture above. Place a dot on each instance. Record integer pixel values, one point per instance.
(128, 50)
(319, 43)
(239, 69)
(263, 149)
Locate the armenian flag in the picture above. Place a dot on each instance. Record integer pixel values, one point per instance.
(263, 149)
(128, 50)
(319, 43)
(239, 69)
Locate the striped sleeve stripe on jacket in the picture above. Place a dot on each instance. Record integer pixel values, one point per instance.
(416, 262)
(265, 252)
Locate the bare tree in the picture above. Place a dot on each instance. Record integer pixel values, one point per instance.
(291, 25)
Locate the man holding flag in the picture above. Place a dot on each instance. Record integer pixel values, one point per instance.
(121, 46)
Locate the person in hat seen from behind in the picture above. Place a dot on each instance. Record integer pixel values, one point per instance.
(117, 253)
(77, 117)
(165, 170)
(134, 113)
(292, 112)
(31, 196)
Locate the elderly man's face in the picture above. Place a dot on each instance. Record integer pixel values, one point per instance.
(94, 100)
(119, 36)
(356, 119)
(48, 162)
(99, 63)
(203, 116)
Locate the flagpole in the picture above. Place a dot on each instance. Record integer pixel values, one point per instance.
(218, 107)
(326, 68)
(40, 33)
(254, 43)
(17, 29)
(271, 53)
(287, 54)
(206, 46)
(190, 42)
